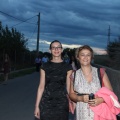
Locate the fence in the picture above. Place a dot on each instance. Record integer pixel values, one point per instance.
(114, 77)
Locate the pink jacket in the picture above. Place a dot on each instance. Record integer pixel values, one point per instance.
(109, 109)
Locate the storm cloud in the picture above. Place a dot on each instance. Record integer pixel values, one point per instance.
(73, 22)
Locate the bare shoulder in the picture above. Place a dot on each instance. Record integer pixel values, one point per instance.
(107, 81)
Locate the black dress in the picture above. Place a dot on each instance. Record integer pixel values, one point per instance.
(54, 102)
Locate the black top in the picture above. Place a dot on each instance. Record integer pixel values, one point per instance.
(54, 102)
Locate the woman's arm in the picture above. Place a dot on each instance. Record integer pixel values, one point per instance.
(68, 80)
(74, 97)
(39, 93)
(106, 81)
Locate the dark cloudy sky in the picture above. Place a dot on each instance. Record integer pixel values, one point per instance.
(73, 22)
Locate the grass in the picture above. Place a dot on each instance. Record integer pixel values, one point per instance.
(19, 73)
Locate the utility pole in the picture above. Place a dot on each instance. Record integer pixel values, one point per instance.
(38, 33)
(108, 36)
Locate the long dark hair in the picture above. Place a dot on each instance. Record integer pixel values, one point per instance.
(53, 42)
(51, 46)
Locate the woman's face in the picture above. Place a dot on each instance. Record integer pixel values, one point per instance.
(85, 57)
(56, 49)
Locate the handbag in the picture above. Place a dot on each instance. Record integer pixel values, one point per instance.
(72, 104)
(100, 75)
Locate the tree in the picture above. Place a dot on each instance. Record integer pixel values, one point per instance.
(13, 43)
(113, 50)
(69, 52)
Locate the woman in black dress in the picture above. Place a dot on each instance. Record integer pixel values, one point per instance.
(52, 101)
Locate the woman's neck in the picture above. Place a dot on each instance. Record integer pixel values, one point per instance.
(87, 70)
(56, 59)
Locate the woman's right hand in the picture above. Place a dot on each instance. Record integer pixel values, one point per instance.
(37, 112)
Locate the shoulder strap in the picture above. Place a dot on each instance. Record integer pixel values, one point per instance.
(74, 75)
(100, 75)
(73, 78)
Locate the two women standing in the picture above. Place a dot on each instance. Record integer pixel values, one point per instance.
(56, 83)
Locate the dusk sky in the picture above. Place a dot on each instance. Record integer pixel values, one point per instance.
(73, 22)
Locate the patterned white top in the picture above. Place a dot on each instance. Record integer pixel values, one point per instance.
(83, 112)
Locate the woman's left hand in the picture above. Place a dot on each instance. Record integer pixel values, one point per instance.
(96, 101)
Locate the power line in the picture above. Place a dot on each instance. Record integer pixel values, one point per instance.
(33, 32)
(24, 21)
(17, 18)
(37, 23)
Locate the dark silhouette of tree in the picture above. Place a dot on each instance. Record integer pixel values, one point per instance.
(13, 43)
(113, 50)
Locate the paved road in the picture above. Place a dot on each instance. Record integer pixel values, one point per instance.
(17, 98)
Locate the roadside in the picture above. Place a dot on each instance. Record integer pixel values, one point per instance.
(17, 73)
(17, 97)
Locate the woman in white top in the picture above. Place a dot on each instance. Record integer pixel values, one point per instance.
(86, 82)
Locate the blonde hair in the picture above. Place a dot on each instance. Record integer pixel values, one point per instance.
(78, 50)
